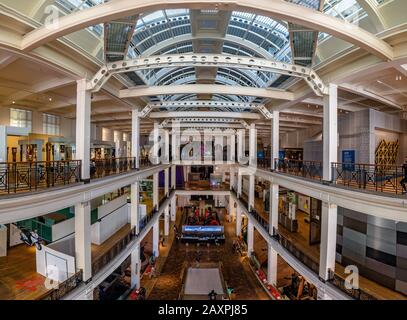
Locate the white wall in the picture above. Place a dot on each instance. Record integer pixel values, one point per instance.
(111, 206)
(54, 264)
(14, 235)
(109, 225)
(63, 229)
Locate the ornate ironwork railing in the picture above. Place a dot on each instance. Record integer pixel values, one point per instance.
(63, 288)
(263, 222)
(380, 178)
(30, 176)
(358, 294)
(107, 167)
(305, 169)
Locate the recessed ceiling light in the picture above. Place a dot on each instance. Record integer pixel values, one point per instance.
(50, 99)
(14, 102)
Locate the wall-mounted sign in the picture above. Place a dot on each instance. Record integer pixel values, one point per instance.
(348, 160)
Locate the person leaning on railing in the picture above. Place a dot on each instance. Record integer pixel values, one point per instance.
(404, 180)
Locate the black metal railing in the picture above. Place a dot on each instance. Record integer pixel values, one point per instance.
(107, 167)
(115, 250)
(379, 178)
(264, 164)
(306, 169)
(263, 222)
(358, 294)
(63, 288)
(30, 176)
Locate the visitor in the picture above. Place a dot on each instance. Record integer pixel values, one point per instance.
(403, 181)
(212, 295)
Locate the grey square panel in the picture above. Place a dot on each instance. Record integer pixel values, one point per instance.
(389, 235)
(401, 251)
(380, 222)
(355, 215)
(354, 252)
(401, 226)
(401, 274)
(401, 286)
(401, 262)
(381, 245)
(354, 236)
(382, 268)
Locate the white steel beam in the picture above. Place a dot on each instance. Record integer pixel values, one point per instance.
(206, 89)
(203, 115)
(276, 9)
(207, 60)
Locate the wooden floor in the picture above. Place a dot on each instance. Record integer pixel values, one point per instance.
(19, 279)
(301, 240)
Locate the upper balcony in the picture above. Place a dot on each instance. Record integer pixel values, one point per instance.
(383, 179)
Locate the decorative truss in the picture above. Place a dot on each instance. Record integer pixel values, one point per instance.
(205, 123)
(207, 60)
(226, 105)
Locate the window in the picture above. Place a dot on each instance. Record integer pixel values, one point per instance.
(21, 118)
(50, 124)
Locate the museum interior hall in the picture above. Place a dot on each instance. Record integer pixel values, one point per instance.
(203, 150)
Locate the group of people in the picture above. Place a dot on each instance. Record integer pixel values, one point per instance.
(197, 217)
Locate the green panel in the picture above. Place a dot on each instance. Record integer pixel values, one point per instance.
(94, 216)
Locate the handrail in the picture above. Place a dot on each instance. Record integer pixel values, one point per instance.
(30, 176)
(63, 288)
(305, 169)
(374, 177)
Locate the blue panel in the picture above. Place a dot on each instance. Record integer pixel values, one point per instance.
(348, 156)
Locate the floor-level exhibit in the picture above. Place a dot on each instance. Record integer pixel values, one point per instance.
(203, 150)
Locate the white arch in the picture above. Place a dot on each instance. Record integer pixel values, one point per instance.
(205, 60)
(207, 89)
(277, 9)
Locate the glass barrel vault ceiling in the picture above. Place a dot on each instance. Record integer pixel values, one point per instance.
(170, 32)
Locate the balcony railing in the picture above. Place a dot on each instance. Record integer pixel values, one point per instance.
(107, 167)
(30, 176)
(306, 169)
(118, 247)
(379, 178)
(63, 288)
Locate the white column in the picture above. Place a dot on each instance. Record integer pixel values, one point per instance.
(174, 208)
(272, 266)
(273, 212)
(167, 221)
(232, 177)
(135, 137)
(250, 238)
(329, 218)
(251, 192)
(156, 192)
(83, 256)
(3, 144)
(134, 203)
(83, 110)
(175, 137)
(166, 181)
(135, 267)
(232, 149)
(330, 133)
(173, 176)
(238, 221)
(156, 238)
(275, 137)
(239, 184)
(252, 145)
(156, 143)
(240, 145)
(166, 156)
